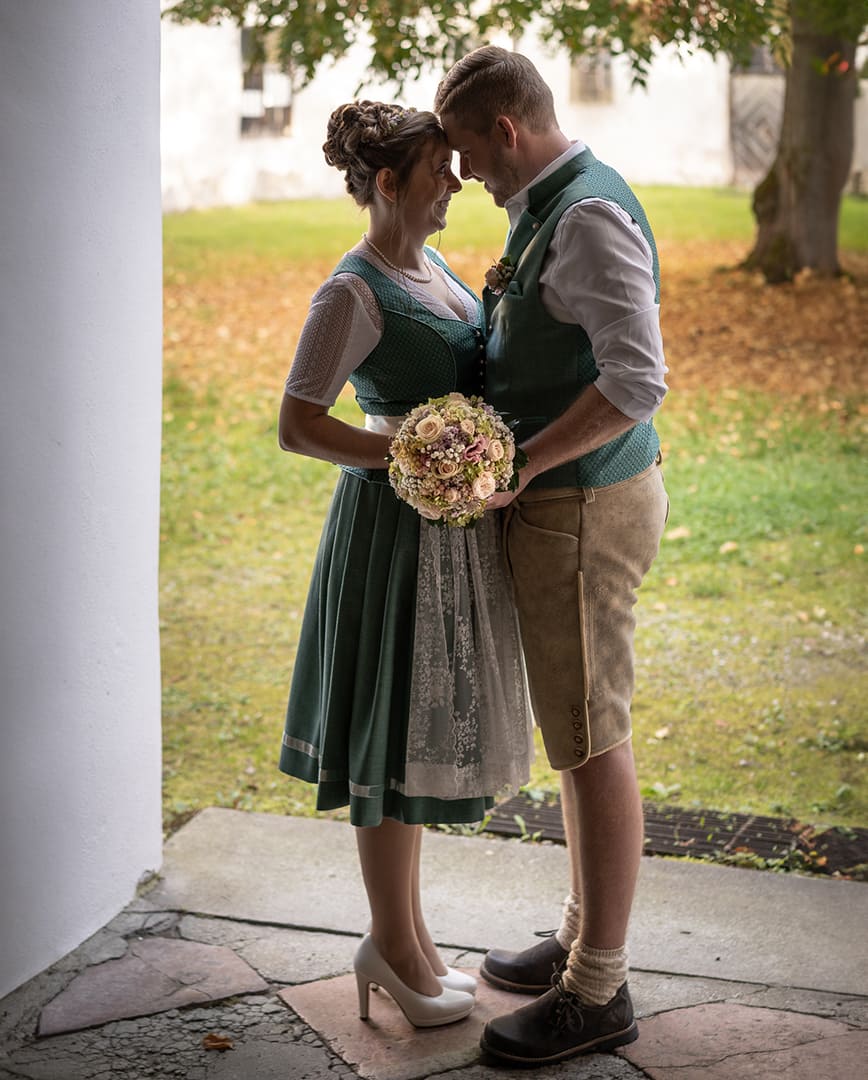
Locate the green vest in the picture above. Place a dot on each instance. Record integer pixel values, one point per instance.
(536, 366)
(419, 356)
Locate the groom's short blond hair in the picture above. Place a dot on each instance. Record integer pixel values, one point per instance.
(492, 82)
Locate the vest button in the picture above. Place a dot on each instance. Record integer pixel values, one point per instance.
(575, 712)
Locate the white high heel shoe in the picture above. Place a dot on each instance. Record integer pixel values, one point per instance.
(457, 980)
(420, 1009)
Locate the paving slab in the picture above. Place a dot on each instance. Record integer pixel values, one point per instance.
(156, 974)
(281, 955)
(850, 1009)
(655, 993)
(596, 1067)
(725, 1041)
(277, 954)
(692, 1024)
(689, 918)
(387, 1046)
(787, 996)
(751, 926)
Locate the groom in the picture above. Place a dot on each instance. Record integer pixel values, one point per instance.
(575, 357)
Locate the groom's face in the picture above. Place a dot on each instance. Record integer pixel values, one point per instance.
(483, 157)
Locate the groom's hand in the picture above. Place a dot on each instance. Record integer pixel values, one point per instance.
(500, 499)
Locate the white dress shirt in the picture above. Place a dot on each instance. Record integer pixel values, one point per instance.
(598, 274)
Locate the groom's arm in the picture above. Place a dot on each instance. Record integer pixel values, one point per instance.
(590, 422)
(598, 274)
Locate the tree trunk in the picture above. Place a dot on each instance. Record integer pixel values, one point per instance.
(797, 205)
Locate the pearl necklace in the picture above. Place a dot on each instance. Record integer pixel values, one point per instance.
(400, 269)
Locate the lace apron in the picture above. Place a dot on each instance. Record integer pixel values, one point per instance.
(469, 726)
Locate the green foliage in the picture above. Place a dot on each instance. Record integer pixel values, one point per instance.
(324, 228)
(407, 36)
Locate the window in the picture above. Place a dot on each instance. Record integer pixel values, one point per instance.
(266, 107)
(591, 78)
(761, 62)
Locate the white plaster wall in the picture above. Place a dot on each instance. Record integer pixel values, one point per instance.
(80, 327)
(206, 162)
(200, 92)
(676, 132)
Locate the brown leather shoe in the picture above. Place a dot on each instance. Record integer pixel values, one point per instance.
(559, 1025)
(528, 972)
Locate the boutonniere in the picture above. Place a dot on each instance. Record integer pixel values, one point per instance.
(499, 275)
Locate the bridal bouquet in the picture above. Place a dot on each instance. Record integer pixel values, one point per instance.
(450, 455)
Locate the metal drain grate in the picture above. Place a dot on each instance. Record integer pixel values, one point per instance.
(671, 830)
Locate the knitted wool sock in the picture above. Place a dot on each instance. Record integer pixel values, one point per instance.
(595, 974)
(568, 931)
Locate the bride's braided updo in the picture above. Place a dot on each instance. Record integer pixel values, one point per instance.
(366, 136)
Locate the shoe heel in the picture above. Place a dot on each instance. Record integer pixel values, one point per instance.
(363, 986)
(422, 1010)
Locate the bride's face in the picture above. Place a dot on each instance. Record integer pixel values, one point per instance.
(430, 186)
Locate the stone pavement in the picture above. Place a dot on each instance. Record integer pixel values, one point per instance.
(235, 965)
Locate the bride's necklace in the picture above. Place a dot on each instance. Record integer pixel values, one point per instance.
(400, 269)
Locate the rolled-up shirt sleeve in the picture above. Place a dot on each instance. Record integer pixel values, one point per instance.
(598, 274)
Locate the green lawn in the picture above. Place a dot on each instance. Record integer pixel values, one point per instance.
(196, 243)
(750, 671)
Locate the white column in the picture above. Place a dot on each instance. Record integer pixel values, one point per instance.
(80, 328)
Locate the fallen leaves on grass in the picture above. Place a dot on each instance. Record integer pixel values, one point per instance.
(235, 331)
(724, 329)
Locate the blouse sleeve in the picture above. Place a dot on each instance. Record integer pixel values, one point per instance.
(342, 327)
(599, 274)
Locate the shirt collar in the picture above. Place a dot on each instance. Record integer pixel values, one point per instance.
(516, 205)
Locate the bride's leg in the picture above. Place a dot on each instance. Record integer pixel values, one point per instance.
(427, 945)
(387, 853)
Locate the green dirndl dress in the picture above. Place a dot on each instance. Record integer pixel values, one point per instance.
(347, 717)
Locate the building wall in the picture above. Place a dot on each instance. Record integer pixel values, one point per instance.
(205, 159)
(80, 325)
(676, 132)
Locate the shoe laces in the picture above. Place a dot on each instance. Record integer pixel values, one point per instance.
(568, 1007)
